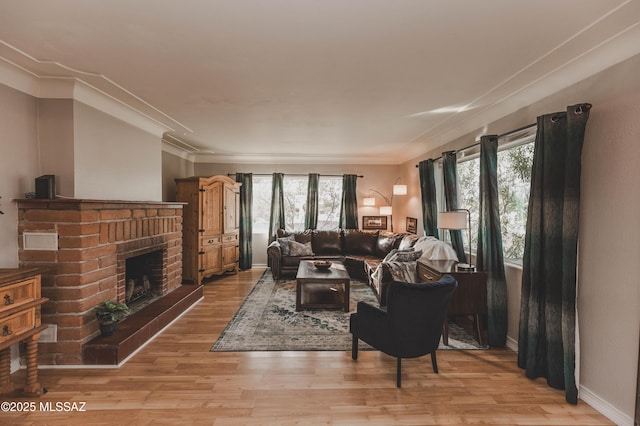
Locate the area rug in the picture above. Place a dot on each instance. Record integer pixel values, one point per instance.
(268, 321)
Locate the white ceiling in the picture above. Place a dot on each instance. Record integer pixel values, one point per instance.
(356, 81)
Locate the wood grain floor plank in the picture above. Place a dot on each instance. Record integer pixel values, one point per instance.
(176, 380)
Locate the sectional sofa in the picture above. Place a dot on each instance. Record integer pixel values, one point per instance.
(362, 253)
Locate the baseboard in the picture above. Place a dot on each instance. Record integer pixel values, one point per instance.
(604, 408)
(597, 403)
(258, 265)
(512, 344)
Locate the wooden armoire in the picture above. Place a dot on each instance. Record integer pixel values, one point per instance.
(210, 226)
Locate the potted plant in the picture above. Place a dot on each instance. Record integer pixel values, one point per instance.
(108, 314)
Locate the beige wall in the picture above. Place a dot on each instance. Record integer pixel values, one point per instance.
(173, 167)
(608, 293)
(18, 164)
(114, 160)
(56, 143)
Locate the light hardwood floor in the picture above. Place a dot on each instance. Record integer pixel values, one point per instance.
(176, 380)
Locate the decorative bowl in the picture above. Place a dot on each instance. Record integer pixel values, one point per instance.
(322, 264)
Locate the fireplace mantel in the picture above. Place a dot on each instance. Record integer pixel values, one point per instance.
(89, 204)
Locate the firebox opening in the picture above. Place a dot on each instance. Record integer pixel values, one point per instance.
(143, 282)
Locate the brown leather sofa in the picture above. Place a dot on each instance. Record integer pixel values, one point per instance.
(360, 251)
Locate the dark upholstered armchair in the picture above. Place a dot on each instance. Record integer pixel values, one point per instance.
(411, 324)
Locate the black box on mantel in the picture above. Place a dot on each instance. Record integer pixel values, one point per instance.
(46, 186)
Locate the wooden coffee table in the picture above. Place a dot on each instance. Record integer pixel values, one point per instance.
(321, 289)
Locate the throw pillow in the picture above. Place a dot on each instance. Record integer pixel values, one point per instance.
(299, 249)
(391, 256)
(408, 241)
(387, 241)
(402, 271)
(284, 245)
(409, 255)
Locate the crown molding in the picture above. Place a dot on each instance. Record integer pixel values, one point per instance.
(168, 146)
(18, 78)
(296, 159)
(70, 87)
(56, 87)
(89, 95)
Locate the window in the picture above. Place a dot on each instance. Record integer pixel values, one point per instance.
(515, 160)
(261, 203)
(295, 202)
(514, 181)
(469, 196)
(329, 200)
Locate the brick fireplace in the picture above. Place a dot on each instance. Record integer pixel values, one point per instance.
(95, 241)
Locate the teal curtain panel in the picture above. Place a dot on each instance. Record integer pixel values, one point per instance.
(311, 214)
(449, 164)
(276, 218)
(546, 343)
(490, 256)
(246, 219)
(349, 206)
(429, 200)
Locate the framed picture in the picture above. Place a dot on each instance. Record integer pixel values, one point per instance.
(374, 222)
(412, 225)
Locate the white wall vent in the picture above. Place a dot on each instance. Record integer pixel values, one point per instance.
(49, 334)
(40, 241)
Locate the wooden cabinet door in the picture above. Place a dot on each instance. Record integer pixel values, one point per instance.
(229, 255)
(210, 260)
(231, 206)
(211, 204)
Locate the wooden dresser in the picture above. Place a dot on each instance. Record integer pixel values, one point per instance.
(470, 298)
(20, 302)
(211, 224)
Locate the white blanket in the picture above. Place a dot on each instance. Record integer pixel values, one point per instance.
(434, 249)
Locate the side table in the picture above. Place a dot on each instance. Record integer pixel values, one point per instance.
(470, 298)
(20, 302)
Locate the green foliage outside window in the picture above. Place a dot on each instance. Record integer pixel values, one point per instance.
(514, 177)
(295, 200)
(329, 199)
(261, 203)
(514, 181)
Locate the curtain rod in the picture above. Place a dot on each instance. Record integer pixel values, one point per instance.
(473, 145)
(291, 174)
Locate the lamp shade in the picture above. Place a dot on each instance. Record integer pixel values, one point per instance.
(399, 189)
(453, 220)
(369, 201)
(386, 211)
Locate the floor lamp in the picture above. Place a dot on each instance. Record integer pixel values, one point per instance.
(387, 210)
(457, 220)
